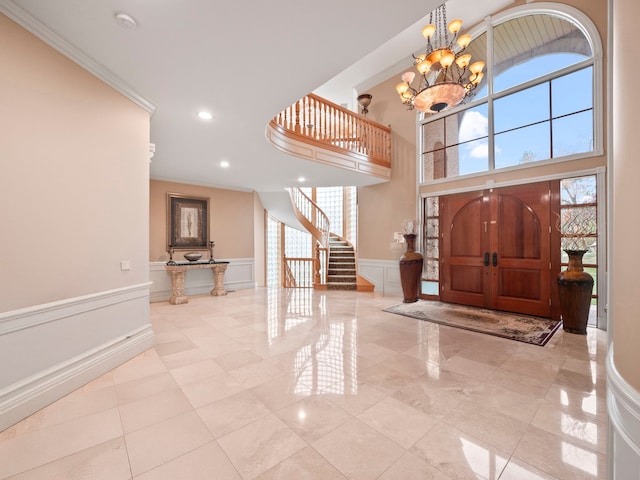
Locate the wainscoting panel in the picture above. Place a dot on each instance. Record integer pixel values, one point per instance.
(239, 275)
(623, 405)
(384, 274)
(55, 348)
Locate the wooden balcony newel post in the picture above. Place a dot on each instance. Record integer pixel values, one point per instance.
(316, 266)
(296, 125)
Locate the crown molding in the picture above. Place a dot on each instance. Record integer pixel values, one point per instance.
(44, 33)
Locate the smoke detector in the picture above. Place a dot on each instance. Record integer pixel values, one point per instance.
(126, 20)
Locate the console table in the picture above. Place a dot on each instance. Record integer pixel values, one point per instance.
(178, 272)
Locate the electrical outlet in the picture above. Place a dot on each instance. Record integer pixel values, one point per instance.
(125, 265)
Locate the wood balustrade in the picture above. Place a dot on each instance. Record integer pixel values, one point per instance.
(298, 272)
(321, 122)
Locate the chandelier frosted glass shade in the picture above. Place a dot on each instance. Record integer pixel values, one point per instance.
(439, 97)
(445, 74)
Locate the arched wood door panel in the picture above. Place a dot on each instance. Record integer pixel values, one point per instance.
(496, 249)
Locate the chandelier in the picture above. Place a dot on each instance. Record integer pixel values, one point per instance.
(446, 76)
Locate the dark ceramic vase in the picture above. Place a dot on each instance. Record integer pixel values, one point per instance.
(410, 270)
(575, 287)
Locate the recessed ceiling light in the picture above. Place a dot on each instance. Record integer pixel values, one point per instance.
(205, 115)
(301, 179)
(224, 164)
(126, 21)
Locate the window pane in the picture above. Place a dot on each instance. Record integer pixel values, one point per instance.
(528, 47)
(434, 165)
(522, 108)
(467, 125)
(470, 157)
(572, 93)
(578, 190)
(528, 144)
(573, 134)
(478, 50)
(433, 135)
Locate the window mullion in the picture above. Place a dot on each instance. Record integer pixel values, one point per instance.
(490, 127)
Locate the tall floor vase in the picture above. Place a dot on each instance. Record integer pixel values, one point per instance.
(575, 287)
(410, 270)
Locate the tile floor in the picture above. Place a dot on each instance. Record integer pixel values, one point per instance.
(274, 384)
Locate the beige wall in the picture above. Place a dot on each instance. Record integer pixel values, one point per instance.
(259, 241)
(383, 207)
(231, 220)
(625, 230)
(74, 182)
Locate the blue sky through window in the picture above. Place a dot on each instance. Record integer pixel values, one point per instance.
(526, 122)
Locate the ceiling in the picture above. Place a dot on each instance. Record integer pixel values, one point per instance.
(243, 63)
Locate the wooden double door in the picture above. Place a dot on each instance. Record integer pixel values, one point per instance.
(496, 249)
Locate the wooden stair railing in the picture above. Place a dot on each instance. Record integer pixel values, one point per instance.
(316, 222)
(318, 121)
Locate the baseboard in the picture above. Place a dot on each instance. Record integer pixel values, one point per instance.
(623, 406)
(383, 274)
(55, 348)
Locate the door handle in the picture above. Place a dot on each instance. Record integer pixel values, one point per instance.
(486, 259)
(495, 259)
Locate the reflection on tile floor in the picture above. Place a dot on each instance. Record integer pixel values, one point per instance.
(275, 384)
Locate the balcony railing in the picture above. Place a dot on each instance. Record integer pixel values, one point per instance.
(318, 121)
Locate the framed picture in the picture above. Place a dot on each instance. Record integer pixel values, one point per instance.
(187, 222)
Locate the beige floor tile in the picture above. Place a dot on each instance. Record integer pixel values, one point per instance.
(151, 410)
(231, 413)
(358, 451)
(307, 464)
(519, 470)
(39, 447)
(590, 433)
(531, 386)
(313, 417)
(238, 359)
(204, 463)
(194, 372)
(385, 379)
(210, 389)
(498, 430)
(398, 421)
(144, 387)
(255, 373)
(155, 445)
(559, 457)
(459, 455)
(105, 461)
(356, 399)
(280, 392)
(144, 365)
(516, 405)
(410, 467)
(582, 383)
(186, 357)
(471, 368)
(586, 405)
(261, 445)
(407, 365)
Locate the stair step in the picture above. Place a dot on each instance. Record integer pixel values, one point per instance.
(342, 286)
(342, 254)
(341, 278)
(342, 271)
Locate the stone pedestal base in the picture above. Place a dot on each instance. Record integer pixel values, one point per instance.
(178, 274)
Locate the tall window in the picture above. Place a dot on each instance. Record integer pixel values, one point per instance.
(536, 104)
(273, 252)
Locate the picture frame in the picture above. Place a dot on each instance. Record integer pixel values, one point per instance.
(187, 222)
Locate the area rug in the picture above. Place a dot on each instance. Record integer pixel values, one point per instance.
(523, 328)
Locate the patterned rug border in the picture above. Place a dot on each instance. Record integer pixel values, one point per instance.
(540, 338)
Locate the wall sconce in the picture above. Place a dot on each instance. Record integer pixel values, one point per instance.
(364, 101)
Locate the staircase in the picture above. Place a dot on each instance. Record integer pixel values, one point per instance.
(341, 274)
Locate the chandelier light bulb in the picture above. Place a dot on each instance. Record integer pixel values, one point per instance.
(463, 60)
(424, 66)
(447, 59)
(464, 40)
(401, 88)
(408, 77)
(477, 67)
(428, 31)
(455, 26)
